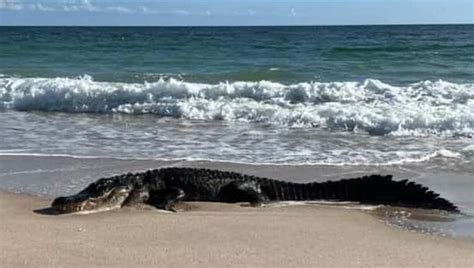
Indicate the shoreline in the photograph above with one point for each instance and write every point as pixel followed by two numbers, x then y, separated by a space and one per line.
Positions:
pixel 213 234
pixel 51 176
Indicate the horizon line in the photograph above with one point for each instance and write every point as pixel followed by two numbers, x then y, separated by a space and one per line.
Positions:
pixel 263 25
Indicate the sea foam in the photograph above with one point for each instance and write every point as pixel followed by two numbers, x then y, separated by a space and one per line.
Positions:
pixel 423 108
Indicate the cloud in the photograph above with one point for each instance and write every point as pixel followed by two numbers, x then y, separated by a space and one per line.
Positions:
pixel 144 10
pixel 73 5
pixel 64 6
pixel 11 5
pixel 248 12
pixel 41 7
pixel 17 5
pixel 293 12
pixel 85 6
pixel 120 9
pixel 150 11
pixel 181 12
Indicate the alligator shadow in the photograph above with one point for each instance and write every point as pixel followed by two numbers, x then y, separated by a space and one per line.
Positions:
pixel 47 211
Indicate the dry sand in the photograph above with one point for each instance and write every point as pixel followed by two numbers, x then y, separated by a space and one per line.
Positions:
pixel 215 235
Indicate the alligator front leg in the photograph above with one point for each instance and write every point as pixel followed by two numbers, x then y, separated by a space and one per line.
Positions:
pixel 165 199
pixel 242 191
pixel 137 196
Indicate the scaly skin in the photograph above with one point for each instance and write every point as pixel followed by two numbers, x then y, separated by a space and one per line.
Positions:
pixel 164 187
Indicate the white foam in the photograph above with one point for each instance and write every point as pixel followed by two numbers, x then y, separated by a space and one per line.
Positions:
pixel 469 148
pixel 421 109
pixel 448 153
pixel 333 158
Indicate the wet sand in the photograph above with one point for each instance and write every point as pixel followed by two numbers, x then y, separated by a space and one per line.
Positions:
pixel 215 235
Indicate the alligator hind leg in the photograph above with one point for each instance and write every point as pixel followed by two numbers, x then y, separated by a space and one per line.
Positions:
pixel 242 191
pixel 165 199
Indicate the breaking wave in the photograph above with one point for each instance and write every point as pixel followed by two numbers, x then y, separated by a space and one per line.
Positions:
pixel 423 108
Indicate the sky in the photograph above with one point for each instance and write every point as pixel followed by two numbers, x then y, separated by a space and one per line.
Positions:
pixel 233 12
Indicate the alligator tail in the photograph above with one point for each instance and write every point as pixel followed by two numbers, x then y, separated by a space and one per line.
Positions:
pixel 374 189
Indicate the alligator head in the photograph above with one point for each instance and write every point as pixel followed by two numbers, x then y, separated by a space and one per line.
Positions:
pixel 101 195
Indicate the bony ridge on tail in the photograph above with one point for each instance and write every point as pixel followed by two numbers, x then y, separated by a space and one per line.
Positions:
pixel 165 187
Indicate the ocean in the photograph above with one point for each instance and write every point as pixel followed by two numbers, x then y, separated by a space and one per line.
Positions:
pixel 359 95
pixel 353 97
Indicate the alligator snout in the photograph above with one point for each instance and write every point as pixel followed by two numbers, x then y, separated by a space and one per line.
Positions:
pixel 84 201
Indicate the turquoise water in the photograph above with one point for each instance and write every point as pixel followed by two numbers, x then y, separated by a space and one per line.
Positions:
pixel 396 55
pixel 357 95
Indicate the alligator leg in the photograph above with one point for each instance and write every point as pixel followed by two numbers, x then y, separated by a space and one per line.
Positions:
pixel 238 191
pixel 138 196
pixel 165 199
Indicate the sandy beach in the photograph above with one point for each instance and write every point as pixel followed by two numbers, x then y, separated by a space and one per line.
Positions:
pixel 215 235
pixel 210 234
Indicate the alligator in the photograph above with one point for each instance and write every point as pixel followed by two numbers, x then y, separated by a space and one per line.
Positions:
pixel 163 188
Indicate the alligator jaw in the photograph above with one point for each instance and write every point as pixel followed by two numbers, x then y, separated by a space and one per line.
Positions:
pixel 83 202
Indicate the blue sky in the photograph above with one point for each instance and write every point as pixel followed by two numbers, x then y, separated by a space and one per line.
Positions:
pixel 234 12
